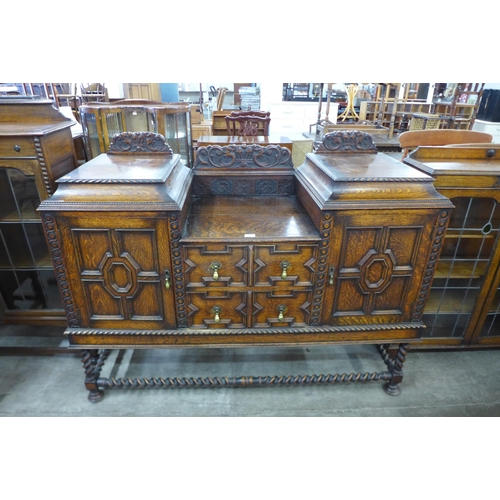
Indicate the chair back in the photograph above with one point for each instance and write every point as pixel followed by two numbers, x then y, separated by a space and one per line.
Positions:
pixel 442 137
pixel 262 114
pixel 247 125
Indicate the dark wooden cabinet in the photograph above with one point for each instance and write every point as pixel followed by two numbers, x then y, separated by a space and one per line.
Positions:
pixel 36 147
pixel 244 250
pixel 463 308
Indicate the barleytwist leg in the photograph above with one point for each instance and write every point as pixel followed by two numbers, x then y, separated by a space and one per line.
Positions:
pixel 92 364
pixel 395 367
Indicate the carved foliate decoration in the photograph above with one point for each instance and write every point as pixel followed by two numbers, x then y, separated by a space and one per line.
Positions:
pixel 346 141
pixel 139 142
pixel 243 156
pixel 243 187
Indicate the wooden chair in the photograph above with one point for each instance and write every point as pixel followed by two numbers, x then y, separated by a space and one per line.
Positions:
pixel 246 125
pixel 94 92
pixel 412 139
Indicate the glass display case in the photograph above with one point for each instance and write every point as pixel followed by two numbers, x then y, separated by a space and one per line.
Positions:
pixel 27 280
pixel 467 254
pixel 464 301
pixel 102 121
pixel 36 148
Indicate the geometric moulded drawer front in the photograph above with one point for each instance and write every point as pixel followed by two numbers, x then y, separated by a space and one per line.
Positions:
pixel 228 263
pixel 376 270
pixel 120 273
pixel 285 264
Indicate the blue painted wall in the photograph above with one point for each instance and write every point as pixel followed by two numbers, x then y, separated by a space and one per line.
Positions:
pixel 169 92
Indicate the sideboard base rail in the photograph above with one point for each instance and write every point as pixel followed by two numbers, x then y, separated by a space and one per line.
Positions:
pixel 93 361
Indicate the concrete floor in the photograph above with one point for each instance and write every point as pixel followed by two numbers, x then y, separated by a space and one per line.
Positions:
pixel 51 382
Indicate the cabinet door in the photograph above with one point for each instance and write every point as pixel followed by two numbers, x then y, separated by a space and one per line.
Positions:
pixel 27 281
pixel 377 266
pixel 463 279
pixel 116 271
pixel 144 91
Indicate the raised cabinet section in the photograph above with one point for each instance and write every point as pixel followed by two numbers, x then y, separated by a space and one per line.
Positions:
pixel 464 307
pixel 36 147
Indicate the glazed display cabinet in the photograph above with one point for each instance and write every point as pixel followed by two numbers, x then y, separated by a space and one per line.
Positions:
pixel 464 304
pixel 101 121
pixel 36 147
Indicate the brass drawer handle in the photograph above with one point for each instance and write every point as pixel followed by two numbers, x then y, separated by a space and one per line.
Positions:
pixel 215 266
pixel 216 310
pixel 331 275
pixel 167 279
pixel 281 310
pixel 285 265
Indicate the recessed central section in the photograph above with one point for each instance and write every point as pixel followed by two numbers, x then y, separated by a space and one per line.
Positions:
pixel 376 270
pixel 120 276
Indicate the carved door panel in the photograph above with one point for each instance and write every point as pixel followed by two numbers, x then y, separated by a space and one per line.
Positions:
pixel 215 265
pixel 375 265
pixel 281 308
pixel 118 268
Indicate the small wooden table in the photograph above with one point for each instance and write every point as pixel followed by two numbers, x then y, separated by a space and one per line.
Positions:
pixel 261 140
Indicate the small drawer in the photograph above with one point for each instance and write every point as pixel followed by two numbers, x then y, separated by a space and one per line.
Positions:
pixel 217 309
pixel 215 265
pixel 285 265
pixel 12 147
pixel 275 309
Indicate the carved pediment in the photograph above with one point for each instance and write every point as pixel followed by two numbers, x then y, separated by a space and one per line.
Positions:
pixel 346 141
pixel 139 142
pixel 243 156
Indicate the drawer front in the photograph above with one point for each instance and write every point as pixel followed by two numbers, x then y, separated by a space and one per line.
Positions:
pixel 281 309
pixel 215 265
pixel 217 309
pixel 13 147
pixel 285 265
pixel 243 286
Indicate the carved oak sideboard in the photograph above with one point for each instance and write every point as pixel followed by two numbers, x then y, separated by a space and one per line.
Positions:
pixel 243 249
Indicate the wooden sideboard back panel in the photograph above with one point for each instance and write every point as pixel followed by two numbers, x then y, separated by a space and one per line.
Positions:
pixel 243 170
